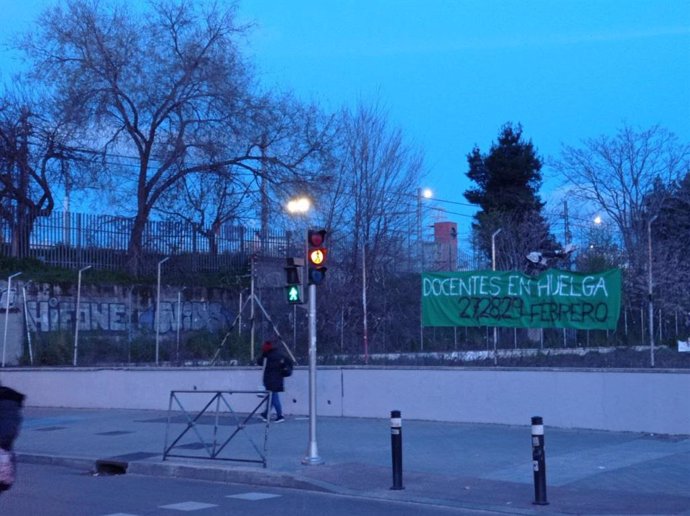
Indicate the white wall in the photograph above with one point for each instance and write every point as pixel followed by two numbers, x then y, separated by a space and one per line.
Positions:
pixel 641 401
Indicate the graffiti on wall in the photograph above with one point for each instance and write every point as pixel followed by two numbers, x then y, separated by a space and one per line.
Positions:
pixel 58 314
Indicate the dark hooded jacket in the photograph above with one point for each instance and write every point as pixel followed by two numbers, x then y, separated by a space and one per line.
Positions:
pixel 273 372
pixel 11 403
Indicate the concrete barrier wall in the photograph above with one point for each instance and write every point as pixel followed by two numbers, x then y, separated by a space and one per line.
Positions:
pixel 640 401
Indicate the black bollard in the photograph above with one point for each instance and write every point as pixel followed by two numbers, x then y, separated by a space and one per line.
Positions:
pixel 396 449
pixel 538 461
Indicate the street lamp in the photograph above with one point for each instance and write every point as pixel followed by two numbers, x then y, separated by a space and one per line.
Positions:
pixel 649 290
pixel 493 267
pixel 300 205
pixel 7 313
pixel 158 306
pixel 76 314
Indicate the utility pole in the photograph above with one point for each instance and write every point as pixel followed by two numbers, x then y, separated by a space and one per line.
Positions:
pixel 493 268
pixel 365 322
pixel 650 284
pixel 566 223
pixel 568 237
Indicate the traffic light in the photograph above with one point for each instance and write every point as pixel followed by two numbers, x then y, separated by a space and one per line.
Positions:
pixel 316 256
pixel 293 288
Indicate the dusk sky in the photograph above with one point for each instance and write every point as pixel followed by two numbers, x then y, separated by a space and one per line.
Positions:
pixel 451 73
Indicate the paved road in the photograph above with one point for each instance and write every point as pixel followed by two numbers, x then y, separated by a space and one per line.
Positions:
pixel 60 491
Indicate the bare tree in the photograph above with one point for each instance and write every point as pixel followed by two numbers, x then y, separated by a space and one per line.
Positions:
pixel 372 202
pixel 599 249
pixel 296 142
pixel 520 234
pixel 206 202
pixel 617 174
pixel 34 160
pixel 668 233
pixel 295 150
pixel 165 88
pixel 379 174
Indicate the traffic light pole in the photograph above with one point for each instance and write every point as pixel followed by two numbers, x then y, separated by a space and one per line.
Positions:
pixel 312 457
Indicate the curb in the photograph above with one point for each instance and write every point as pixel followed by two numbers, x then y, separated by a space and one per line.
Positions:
pixel 182 470
pixel 226 475
pixel 240 475
pixel 51 460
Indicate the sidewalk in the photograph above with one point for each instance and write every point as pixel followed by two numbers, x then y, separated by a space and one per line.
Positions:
pixel 486 467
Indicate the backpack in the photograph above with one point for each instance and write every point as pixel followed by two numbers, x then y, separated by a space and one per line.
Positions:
pixel 286 367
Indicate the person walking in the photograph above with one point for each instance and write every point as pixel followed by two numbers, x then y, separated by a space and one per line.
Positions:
pixel 276 367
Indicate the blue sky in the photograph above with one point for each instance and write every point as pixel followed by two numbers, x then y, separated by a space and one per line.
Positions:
pixel 451 73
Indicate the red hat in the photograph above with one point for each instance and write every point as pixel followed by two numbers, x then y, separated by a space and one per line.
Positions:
pixel 267 346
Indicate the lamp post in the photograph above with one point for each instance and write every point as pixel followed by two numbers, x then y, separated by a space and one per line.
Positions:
pixel 422 193
pixel 493 248
pixel 649 290
pixel 312 458
pixel 7 313
pixel 158 306
pixel 425 193
pixel 76 315
pixel 365 319
pixel 179 323
pixel 493 268
pixel 298 206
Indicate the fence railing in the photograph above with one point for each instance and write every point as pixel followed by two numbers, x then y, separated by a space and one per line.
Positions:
pixel 70 240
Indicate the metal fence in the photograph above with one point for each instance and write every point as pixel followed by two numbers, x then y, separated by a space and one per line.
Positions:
pixel 70 240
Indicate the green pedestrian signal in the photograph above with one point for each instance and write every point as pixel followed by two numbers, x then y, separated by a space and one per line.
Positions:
pixel 294 294
pixel 293 288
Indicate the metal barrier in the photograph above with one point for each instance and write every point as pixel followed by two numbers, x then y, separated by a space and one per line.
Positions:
pixel 223 419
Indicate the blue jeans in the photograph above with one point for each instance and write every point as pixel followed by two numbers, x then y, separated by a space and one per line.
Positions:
pixel 275 403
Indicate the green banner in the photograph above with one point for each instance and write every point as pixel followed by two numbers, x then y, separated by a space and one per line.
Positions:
pixel 553 299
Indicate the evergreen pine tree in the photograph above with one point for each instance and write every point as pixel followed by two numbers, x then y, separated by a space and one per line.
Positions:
pixel 507 182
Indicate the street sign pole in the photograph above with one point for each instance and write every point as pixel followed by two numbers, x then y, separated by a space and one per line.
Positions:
pixel 312 457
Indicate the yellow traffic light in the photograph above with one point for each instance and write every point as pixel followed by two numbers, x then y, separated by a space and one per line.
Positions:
pixel 316 255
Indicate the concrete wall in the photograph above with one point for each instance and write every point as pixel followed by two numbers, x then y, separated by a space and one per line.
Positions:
pixel 641 401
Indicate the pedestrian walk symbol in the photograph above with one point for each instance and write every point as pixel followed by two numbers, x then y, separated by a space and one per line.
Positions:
pixel 294 294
